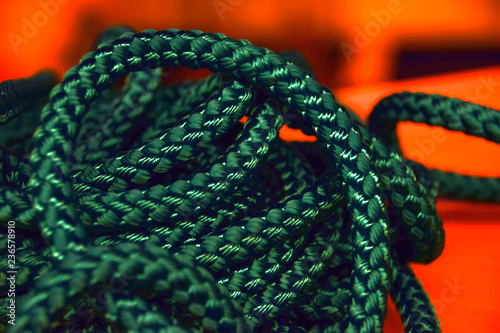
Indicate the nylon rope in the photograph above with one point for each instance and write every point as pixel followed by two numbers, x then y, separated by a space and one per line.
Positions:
pixel 152 208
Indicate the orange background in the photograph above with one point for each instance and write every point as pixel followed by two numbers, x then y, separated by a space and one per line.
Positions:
pixel 472 230
pixel 318 29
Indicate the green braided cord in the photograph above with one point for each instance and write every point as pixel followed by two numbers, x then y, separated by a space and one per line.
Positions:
pixel 14 171
pixel 181 196
pixel 191 133
pixel 137 94
pixel 20 95
pixel 205 223
pixel 91 123
pixel 19 100
pixel 190 96
pixel 452 114
pixel 465 187
pixel 141 161
pixel 146 269
pixel 412 302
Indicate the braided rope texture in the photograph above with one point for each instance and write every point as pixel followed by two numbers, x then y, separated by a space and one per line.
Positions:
pixel 152 207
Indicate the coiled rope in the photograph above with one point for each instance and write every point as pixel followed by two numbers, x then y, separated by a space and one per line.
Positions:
pixel 152 208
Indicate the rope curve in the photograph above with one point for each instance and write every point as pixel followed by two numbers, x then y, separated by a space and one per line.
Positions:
pixel 154 207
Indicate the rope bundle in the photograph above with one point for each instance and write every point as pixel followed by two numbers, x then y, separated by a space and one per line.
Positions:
pixel 152 208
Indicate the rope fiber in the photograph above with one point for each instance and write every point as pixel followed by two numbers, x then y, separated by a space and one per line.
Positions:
pixel 159 206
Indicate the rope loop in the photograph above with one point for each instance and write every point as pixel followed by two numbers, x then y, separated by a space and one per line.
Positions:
pixel 176 207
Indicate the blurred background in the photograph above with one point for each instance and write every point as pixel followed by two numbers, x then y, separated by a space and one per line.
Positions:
pixel 363 50
pixel 348 42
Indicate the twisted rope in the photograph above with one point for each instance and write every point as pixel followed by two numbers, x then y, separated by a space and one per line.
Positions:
pixel 452 114
pixel 152 208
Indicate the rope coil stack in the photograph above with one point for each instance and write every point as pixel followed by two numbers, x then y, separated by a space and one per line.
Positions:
pixel 152 208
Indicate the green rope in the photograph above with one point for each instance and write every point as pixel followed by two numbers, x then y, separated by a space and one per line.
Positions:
pixel 152 208
pixel 452 114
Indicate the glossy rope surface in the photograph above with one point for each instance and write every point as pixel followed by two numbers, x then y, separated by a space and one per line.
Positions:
pixel 206 223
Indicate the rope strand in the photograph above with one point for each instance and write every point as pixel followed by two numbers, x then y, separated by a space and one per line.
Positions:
pixel 209 224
